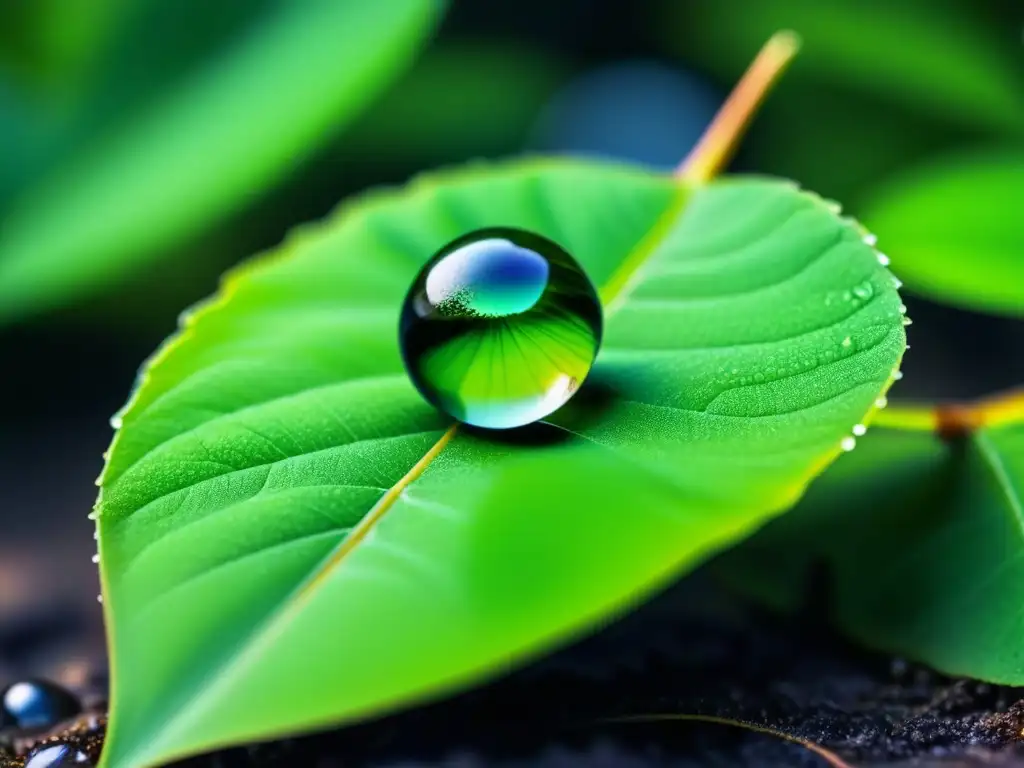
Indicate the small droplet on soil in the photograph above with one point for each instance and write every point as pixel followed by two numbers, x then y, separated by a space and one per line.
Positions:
pixel 57 756
pixel 36 704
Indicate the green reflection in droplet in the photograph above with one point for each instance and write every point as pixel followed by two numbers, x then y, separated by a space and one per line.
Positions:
pixel 500 328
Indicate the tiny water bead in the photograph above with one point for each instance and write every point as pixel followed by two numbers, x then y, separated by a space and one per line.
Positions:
pixel 500 328
pixel 36 704
pixel 57 756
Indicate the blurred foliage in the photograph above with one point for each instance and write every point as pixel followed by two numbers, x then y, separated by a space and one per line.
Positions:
pixel 97 188
pixel 956 224
pixel 878 85
pixel 112 109
pixel 460 100
pixel 933 54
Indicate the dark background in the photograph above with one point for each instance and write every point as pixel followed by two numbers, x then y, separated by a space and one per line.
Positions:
pixel 636 80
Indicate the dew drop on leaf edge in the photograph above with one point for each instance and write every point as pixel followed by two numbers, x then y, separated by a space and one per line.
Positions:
pixel 500 327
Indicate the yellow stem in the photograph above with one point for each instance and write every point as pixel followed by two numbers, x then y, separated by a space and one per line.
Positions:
pixel 950 419
pixel 721 138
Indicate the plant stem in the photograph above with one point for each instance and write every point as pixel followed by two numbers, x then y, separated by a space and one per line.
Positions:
pixel 828 756
pixel 721 138
pixel 953 419
pixel 912 417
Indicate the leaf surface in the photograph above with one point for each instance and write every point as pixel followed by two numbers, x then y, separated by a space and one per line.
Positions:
pixel 956 226
pixel 201 152
pixel 921 543
pixel 291 537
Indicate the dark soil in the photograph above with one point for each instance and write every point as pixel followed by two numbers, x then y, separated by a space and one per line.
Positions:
pixel 691 650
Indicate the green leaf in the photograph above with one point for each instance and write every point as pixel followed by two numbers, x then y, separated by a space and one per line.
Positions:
pixel 921 543
pixel 202 151
pixel 291 537
pixel 955 224
pixel 926 53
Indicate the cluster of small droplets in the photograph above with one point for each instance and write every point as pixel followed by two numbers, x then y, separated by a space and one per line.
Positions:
pixel 849 442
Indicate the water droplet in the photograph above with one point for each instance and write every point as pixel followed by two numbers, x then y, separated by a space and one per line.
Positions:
pixel 500 327
pixel 864 291
pixel 758 377
pixel 846 342
pixel 848 443
pixel 36 704
pixel 96 558
pixel 881 402
pixel 116 422
pixel 870 239
pixel 96 535
pixel 907 321
pixel 57 756
pixel 897 375
pixel 833 206
pixel 883 259
pixel 99 598
pixel 903 309
pixel 94 515
pixel 859 430
pixel 847 296
pixel 897 283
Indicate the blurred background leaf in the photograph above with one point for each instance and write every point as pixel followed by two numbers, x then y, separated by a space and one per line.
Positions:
pixel 915 542
pixel 932 54
pixel 204 148
pixel 956 224
pixel 878 85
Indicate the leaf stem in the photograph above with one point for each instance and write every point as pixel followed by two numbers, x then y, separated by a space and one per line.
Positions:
pixel 723 135
pixel 954 419
pixel 827 755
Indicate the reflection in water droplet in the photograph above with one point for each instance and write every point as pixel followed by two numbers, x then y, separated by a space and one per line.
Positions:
pixel 500 327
